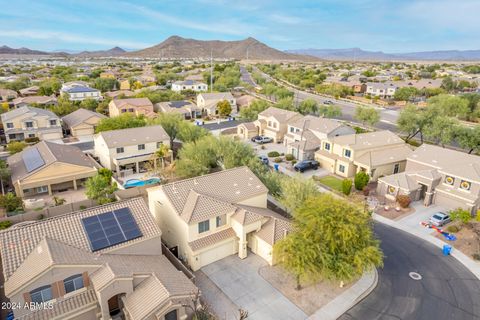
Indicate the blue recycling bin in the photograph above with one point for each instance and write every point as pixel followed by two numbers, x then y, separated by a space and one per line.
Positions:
pixel 447 250
pixel 275 166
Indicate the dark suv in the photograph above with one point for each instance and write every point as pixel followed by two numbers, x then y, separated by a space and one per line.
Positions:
pixel 305 165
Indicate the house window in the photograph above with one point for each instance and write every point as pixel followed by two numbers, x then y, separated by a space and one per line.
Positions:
pixel 341 168
pixel 347 153
pixel 269 123
pixel 172 315
pixel 203 226
pixel 29 124
pixel 130 110
pixel 275 125
pixel 292 129
pixel 396 168
pixel 120 150
pixel 221 220
pixel 42 189
pixel 327 146
pixel 42 294
pixel 53 122
pixel 31 135
pixel 124 110
pixel 141 147
pixel 9 125
pixel 73 283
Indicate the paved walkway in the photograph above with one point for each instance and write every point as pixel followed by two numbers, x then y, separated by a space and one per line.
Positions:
pixel 241 283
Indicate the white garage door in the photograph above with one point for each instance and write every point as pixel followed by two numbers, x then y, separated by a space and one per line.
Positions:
pixel 217 253
pixel 82 132
pixel 51 136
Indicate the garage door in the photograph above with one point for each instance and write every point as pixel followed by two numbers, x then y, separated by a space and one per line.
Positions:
pixel 51 136
pixel 82 132
pixel 217 253
pixel 448 202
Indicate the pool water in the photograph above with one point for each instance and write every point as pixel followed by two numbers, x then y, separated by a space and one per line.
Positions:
pixel 139 183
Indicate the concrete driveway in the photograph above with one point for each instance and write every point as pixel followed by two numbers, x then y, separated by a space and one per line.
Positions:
pixel 240 281
pixel 421 213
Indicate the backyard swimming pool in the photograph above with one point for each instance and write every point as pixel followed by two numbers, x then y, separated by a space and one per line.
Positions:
pixel 139 183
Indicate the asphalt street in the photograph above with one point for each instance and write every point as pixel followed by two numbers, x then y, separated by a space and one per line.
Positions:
pixel 447 290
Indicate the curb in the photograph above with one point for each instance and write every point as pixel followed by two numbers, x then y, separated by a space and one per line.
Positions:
pixel 344 302
pixel 471 265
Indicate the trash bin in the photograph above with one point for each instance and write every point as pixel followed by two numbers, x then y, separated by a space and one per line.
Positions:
pixel 447 249
pixel 275 166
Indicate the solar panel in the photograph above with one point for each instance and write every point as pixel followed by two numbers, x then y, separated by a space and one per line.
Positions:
pixel 32 159
pixel 111 228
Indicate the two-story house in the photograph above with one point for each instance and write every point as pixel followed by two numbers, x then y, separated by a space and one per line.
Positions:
pixel 7 95
pixel 186 108
pixel 439 176
pixel 273 122
pixel 79 91
pixel 207 218
pixel 29 122
pixel 30 91
pixel 129 149
pixel 82 122
pixel 48 167
pixel 377 153
pixel 382 90
pixel 104 263
pixel 208 102
pixel 135 106
pixel 305 135
pixel 192 85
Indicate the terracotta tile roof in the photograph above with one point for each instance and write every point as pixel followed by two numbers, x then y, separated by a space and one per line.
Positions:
pixel 27 109
pixel 146 298
pixel 80 115
pixel 35 99
pixel 313 123
pixel 134 136
pixel 18 242
pixel 230 186
pixel 134 102
pixel 71 304
pixel 385 156
pixel 281 115
pixel 274 230
pixel 368 140
pixel 199 207
pixel 212 239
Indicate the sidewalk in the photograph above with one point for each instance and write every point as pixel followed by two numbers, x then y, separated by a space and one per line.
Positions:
pixel 471 265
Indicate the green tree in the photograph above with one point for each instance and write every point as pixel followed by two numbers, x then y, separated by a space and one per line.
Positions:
pixel 271 179
pixel 16 147
pixel 64 106
pixel 406 93
pixel 295 191
pixel 10 202
pixel 4 174
pixel 49 87
pixel 331 239
pixel 367 115
pixel 89 104
pixel 123 121
pixel 285 103
pixel 224 108
pixel 442 130
pixel 171 123
pixel 450 106
pixel 251 112
pixel 100 188
pixel 460 214
pixel 468 138
pixel 361 180
pixel 188 132
pixel 331 111
pixel 105 84
pixel 308 106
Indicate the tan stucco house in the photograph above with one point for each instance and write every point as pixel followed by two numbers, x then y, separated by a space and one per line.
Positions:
pixel 187 109
pixel 28 122
pixel 47 167
pixel 377 153
pixel 40 101
pixel 439 176
pixel 273 122
pixel 305 135
pixel 129 149
pixel 103 263
pixel 82 122
pixel 137 106
pixel 213 216
pixel 208 102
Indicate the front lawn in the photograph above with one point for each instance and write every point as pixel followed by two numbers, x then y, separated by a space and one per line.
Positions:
pixel 331 182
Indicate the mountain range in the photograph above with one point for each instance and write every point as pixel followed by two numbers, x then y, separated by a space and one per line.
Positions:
pixel 176 47
pixel 363 55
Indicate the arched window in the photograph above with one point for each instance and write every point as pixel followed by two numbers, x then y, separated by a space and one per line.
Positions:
pixel 42 294
pixel 73 283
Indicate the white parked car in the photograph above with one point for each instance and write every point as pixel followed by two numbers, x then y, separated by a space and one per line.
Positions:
pixel 262 139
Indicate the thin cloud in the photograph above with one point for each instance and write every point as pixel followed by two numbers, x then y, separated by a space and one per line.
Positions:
pixel 285 19
pixel 70 38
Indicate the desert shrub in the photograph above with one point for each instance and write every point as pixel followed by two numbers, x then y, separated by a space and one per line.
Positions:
pixel 273 154
pixel 361 180
pixel 293 162
pixel 82 207
pixel 289 157
pixel 453 229
pixel 366 191
pixel 403 200
pixel 346 186
pixel 460 214
pixel 476 256
pixel 32 139
pixel 5 224
pixel 10 202
pixel 278 160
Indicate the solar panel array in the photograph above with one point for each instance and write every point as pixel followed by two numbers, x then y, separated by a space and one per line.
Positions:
pixel 32 159
pixel 111 228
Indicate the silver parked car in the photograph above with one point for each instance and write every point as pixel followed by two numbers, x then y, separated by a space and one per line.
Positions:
pixel 262 139
pixel 439 219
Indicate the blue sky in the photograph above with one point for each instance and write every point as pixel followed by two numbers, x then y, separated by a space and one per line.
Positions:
pixel 387 25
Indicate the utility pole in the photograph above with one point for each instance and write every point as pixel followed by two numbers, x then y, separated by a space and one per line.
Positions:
pixel 211 70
